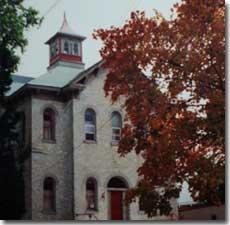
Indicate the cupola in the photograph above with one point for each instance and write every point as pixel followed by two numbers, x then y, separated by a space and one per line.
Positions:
pixel 65 46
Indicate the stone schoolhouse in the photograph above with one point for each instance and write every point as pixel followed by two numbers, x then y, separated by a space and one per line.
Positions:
pixel 75 172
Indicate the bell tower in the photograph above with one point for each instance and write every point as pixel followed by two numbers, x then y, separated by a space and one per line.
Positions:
pixel 65 47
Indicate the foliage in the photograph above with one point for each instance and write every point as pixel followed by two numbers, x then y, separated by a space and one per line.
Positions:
pixel 176 115
pixel 15 19
pixel 11 169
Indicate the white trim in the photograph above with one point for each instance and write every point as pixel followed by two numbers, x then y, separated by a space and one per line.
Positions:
pixel 114 135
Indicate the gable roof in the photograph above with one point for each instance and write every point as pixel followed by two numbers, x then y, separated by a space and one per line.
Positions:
pixel 18 81
pixel 85 73
pixel 57 78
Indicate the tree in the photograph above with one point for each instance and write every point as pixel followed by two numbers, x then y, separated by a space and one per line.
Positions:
pixel 15 19
pixel 176 113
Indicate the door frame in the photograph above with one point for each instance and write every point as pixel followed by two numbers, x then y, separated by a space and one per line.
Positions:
pixel 125 209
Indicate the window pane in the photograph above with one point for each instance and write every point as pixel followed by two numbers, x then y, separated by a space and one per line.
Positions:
pixel 90 199
pixel 116 131
pixel 49 124
pixel 52 51
pixel 76 49
pixel 47 133
pixel 47 116
pixel 90 124
pixel 116 134
pixel 90 185
pixel 66 47
pixel 116 138
pixel 89 115
pixel 89 137
pixel 91 193
pixel 70 48
pixel 89 128
pixel 116 120
pixel 49 194
pixel 56 47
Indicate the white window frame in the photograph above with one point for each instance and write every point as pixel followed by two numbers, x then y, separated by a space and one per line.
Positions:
pixel 63 46
pixel 78 53
pixel 116 137
pixel 71 50
pixel 90 125
pixel 114 134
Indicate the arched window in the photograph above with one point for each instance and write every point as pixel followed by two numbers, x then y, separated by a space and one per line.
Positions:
pixel 91 193
pixel 49 194
pixel 49 124
pixel 90 125
pixel 116 126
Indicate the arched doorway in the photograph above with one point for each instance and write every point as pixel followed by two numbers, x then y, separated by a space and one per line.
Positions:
pixel 116 189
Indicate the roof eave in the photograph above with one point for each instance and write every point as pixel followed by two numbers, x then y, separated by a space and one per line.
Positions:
pixel 79 37
pixel 85 73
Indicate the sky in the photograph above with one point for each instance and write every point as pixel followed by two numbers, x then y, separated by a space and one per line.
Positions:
pixel 84 16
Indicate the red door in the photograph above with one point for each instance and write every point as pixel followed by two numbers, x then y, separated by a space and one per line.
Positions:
pixel 116 205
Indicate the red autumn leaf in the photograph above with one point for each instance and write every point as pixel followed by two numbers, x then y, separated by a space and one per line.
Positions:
pixel 180 139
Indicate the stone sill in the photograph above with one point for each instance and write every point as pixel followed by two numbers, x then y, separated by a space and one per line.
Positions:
pixel 38 152
pixel 90 142
pixel 92 210
pixel 141 212
pixel 49 141
pixel 114 143
pixel 49 212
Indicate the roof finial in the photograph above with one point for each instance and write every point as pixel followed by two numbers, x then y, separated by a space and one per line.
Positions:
pixel 65 25
pixel 65 28
pixel 64 19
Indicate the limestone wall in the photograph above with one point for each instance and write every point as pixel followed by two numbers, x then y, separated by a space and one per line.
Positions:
pixel 52 159
pixel 100 159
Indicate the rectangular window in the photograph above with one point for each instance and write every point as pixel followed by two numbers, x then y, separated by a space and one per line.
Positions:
pixel 71 47
pixel 54 49
pixel 76 50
